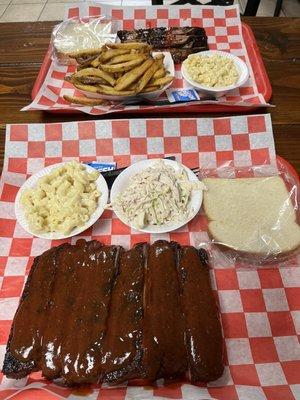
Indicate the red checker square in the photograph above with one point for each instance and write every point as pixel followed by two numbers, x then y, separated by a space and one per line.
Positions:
pixel 86 130
pixel 119 228
pixel 222 126
pixel 172 145
pixel 70 148
pixel 270 278
pixel 247 90
pixel 105 239
pixel 188 127
pixel 291 371
pixel 138 146
pixel 220 21
pixel 53 132
pixel 198 224
pixel 12 286
pixel 94 11
pixel 185 13
pixel 211 31
pixel 222 39
pixel 253 300
pixel 19 133
pixel 44 101
pixel 235 45
pixel 293 298
pixel 240 142
pixel 7 227
pixel 151 23
pixel 256 124
pixel 3 261
pixel 58 75
pixel 224 392
pixel 234 325
pixel 36 149
pixel 29 264
pixel 208 14
pixel 191 160
pixel 197 22
pixel 122 160
pixel 169 391
pixel 230 13
pixel 232 30
pixel 120 129
pixel 115 394
pixel 52 160
pixel 279 392
pixel 244 375
pixel 140 14
pixel 263 350
pixel 162 14
pixel 154 127
pixel 30 394
pixel 223 157
pixel 20 247
pixel 226 279
pixel 9 193
pixel 139 238
pixel 281 323
pixel 181 237
pixel 174 22
pixel 206 143
pixel 73 12
pixel 4 331
pixel 128 24
pixel 104 147
pixel 17 165
pixel 117 14
pixel 260 156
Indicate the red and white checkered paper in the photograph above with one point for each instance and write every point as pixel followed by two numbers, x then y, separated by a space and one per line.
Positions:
pixel 223 29
pixel 260 309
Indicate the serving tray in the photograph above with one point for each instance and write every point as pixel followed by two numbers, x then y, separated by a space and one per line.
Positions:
pixel 259 71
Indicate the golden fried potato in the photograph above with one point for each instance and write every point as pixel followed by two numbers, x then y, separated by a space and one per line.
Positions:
pixel 162 81
pixel 96 72
pixel 150 89
pixel 113 92
pixel 123 58
pixel 123 67
pixel 84 100
pixel 160 73
pixel 86 88
pixel 128 45
pixel 107 55
pixel 133 75
pixel 145 78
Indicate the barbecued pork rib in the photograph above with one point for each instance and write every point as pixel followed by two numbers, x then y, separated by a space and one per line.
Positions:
pixel 24 345
pixel 163 325
pixel 204 340
pixel 72 342
pixel 122 348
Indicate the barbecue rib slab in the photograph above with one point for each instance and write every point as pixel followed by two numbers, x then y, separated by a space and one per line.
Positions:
pixel 92 313
pixel 204 340
pixel 180 42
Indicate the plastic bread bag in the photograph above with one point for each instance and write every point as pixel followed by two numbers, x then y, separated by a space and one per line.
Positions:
pixel 252 215
pixel 81 38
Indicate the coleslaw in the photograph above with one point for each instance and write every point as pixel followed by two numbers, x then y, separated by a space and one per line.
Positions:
pixel 158 195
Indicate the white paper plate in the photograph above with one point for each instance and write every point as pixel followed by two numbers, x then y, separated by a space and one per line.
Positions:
pixel 169 66
pixel 121 183
pixel 32 182
pixel 220 91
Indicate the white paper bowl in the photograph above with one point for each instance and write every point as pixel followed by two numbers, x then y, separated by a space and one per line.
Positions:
pixel 220 91
pixel 32 182
pixel 121 183
pixel 169 66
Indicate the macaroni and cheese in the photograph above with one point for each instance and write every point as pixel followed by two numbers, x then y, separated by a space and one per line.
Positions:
pixel 213 71
pixel 62 200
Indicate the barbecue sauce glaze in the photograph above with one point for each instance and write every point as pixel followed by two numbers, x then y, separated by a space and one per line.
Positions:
pixel 91 313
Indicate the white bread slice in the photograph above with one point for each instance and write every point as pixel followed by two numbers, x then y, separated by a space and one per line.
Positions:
pixel 252 215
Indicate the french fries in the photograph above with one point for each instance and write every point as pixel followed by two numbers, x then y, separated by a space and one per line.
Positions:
pixel 119 69
pixel 83 100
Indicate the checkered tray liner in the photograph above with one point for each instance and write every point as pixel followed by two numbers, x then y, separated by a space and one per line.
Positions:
pixel 260 309
pixel 223 28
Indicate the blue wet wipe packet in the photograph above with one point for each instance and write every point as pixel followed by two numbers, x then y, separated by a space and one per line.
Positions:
pixel 102 166
pixel 179 95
